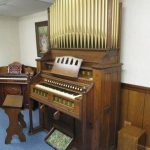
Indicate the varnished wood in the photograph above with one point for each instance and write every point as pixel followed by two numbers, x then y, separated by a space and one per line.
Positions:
pixel 16 86
pixel 132 87
pixel 135 108
pixel 131 138
pixel 124 106
pixel 146 118
pixel 12 106
pixel 93 120
pixel 106 79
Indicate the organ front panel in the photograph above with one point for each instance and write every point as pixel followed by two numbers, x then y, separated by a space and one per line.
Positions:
pixel 79 77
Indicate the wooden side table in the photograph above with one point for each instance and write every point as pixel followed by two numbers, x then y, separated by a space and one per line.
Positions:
pixel 131 138
pixel 12 106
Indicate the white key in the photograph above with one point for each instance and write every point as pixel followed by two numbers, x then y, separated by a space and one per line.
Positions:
pixel 4 78
pixel 57 92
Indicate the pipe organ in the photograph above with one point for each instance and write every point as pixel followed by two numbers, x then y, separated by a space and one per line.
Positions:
pixel 84 24
pixel 79 77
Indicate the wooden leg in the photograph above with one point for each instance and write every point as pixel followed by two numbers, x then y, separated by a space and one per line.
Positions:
pixel 14 126
pixel 8 138
pixel 33 130
pixel 21 120
pixel 30 116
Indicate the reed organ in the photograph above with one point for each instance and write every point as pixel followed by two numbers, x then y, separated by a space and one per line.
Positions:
pixel 88 30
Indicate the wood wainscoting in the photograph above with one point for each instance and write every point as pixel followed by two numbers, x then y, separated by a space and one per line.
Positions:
pixel 135 108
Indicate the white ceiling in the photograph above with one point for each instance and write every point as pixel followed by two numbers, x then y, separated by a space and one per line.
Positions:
pixel 20 8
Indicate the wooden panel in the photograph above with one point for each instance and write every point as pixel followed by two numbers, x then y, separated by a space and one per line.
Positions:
pixel 92 56
pixel 124 106
pixel 106 125
pixel 136 108
pixel 106 117
pixel 135 105
pixel 3 69
pixel 146 120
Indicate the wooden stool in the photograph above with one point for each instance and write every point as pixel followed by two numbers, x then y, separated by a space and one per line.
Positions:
pixel 12 106
pixel 131 138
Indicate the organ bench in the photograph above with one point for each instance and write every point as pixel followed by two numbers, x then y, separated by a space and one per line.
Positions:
pixel 12 106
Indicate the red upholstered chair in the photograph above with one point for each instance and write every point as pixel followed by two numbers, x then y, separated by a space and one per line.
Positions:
pixel 15 68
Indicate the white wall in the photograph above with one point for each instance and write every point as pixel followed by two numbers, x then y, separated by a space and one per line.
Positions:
pixel 136 42
pixel 27 37
pixel 135 50
pixel 9 40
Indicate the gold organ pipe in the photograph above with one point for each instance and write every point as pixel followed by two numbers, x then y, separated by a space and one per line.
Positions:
pixel 103 22
pixel 99 23
pixel 77 29
pixel 116 16
pixel 67 24
pixel 54 9
pixel 52 16
pixel 50 24
pixel 56 24
pixel 96 24
pixel 106 15
pixel 83 23
pixel 117 23
pixel 73 23
pixel 114 37
pixel 70 16
pixel 58 29
pixel 92 24
pixel 112 33
pixel 50 28
pixel 63 22
pixel 55 21
pixel 88 22
pixel 60 22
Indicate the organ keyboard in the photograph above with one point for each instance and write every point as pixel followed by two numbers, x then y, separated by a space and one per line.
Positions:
pixel 15 83
pixel 13 78
pixel 61 94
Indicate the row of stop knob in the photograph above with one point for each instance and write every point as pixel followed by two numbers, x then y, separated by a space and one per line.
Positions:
pixel 74 87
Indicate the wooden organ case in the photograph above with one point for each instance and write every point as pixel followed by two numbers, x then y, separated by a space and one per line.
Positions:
pixel 14 79
pixel 88 30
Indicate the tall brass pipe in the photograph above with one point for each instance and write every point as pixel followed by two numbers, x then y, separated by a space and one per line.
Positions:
pixel 96 23
pixel 83 23
pixel 99 23
pixel 106 14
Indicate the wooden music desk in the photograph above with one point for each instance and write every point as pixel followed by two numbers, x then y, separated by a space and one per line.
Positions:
pixel 12 106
